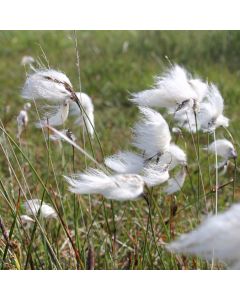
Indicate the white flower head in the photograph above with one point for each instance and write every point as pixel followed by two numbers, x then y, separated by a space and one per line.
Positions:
pixel 26 219
pixel 46 211
pixel 48 84
pixel 154 174
pixel 174 157
pixel 125 162
pixel 186 120
pixel 27 106
pixel 174 90
pixel 27 60
pixel 201 89
pixel 223 147
pixel 116 187
pixel 54 115
pixel 84 118
pixel 151 133
pixel 211 111
pixel 176 130
pixel 176 183
pixel 217 236
pixel 22 121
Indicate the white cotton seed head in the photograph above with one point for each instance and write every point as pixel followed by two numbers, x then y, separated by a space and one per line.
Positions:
pixel 170 91
pixel 91 182
pixel 155 174
pixel 54 115
pixel 216 99
pixel 206 117
pixel 115 187
pixel 47 84
pixel 210 115
pixel 85 101
pixel 32 206
pixel 200 87
pixel 218 234
pixel 85 118
pixel 27 106
pixel 223 147
pixel 22 118
pixel 125 162
pixel 177 156
pixel 26 219
pixel 22 121
pixel 130 187
pixel 176 130
pixel 174 157
pixel 87 122
pixel 150 98
pixel 176 183
pixel 151 134
pixel 46 211
pixel 221 121
pixel 27 60
pixel 186 120
pixel 175 90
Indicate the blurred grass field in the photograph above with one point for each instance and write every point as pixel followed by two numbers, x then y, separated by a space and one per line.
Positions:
pixel 113 64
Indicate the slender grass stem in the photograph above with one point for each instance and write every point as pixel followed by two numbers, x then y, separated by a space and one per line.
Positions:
pixel 47 192
pixel 216 173
pixel 145 241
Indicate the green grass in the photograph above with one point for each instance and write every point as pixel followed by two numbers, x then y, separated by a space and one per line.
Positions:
pixel 121 235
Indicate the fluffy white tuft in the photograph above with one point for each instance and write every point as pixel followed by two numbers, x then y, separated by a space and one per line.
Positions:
pixel 175 184
pixel 211 111
pixel 27 60
pixel 151 133
pixel 26 219
pixel 201 89
pixel 224 148
pixel 221 121
pixel 155 174
pixel 116 187
pixel 125 162
pixel 151 98
pixel 86 117
pixel 22 121
pixel 27 106
pixel 47 84
pixel 174 157
pixel 186 120
pixel 54 115
pixel 46 211
pixel 218 234
pixel 173 90
pixel 176 130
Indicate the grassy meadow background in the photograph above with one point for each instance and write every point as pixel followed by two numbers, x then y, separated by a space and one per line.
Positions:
pixel 113 64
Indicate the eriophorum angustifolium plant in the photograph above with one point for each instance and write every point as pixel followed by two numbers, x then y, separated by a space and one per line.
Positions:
pixel 144 181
